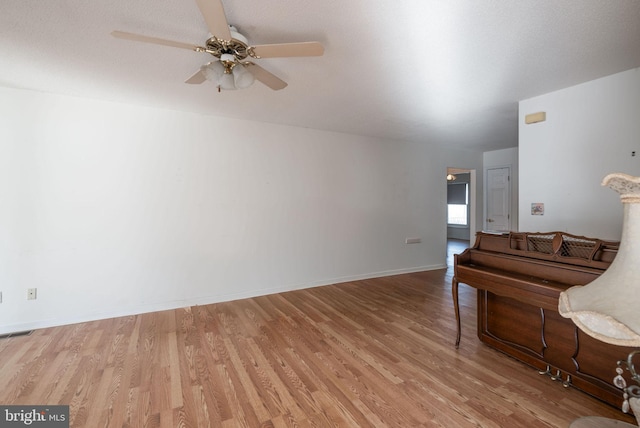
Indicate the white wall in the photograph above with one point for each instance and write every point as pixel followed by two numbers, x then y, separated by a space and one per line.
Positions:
pixel 110 209
pixel 590 131
pixel 500 159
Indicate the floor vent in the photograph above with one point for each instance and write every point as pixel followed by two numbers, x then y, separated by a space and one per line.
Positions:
pixel 16 334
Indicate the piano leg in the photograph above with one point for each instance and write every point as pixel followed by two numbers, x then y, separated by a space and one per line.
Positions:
pixel 456 308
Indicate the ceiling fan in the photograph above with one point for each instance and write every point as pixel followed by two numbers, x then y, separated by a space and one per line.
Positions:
pixel 233 66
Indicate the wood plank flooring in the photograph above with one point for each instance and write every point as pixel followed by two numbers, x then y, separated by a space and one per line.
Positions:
pixel 370 353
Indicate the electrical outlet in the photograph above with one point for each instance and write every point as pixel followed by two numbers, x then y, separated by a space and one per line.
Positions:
pixel 32 293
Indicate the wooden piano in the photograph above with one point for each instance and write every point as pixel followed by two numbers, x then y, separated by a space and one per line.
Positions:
pixel 519 277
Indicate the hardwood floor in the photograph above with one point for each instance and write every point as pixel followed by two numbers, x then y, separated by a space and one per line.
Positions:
pixel 368 353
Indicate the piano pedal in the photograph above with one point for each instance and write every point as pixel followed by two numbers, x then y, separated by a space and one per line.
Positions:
pixel 556 377
pixel 545 372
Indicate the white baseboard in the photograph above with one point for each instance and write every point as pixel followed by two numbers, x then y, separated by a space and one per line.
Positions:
pixel 203 300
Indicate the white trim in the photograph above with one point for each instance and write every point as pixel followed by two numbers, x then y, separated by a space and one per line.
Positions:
pixel 473 212
pixel 203 300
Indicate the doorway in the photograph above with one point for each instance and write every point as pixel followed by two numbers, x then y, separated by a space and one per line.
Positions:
pixel 461 203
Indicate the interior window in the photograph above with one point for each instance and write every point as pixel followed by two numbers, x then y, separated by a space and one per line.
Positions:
pixel 458 204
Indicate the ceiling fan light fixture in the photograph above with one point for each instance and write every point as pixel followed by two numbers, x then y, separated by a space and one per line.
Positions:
pixel 213 70
pixel 227 73
pixel 226 82
pixel 242 77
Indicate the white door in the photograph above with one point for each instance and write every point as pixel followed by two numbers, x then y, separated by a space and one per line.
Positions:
pixel 498 205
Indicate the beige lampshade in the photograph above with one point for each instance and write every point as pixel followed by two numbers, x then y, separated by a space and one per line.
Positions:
pixel 608 308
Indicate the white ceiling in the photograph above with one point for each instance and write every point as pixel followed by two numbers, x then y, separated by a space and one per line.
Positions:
pixel 442 71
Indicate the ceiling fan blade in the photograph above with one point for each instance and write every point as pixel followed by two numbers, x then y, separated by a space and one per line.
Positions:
pixel 197 78
pixel 289 49
pixel 154 40
pixel 213 13
pixel 267 78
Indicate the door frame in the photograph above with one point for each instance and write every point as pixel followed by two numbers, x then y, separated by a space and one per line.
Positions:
pixel 473 200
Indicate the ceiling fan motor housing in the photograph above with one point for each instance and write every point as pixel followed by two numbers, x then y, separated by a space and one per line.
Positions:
pixel 238 46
